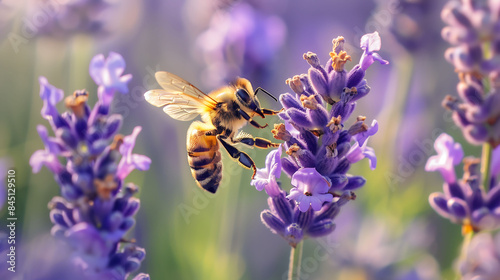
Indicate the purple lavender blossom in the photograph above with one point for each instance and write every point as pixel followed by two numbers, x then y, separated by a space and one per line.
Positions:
pixel 265 178
pixel 473 30
pixel 449 155
pixel 130 161
pixel 483 258
pixel 96 209
pixel 463 201
pixel 320 149
pixel 413 23
pixel 370 43
pixel 240 41
pixel 310 189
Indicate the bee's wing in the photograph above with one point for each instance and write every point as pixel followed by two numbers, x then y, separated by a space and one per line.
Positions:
pixel 182 100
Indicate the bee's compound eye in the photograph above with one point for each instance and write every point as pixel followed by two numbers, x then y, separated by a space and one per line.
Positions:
pixel 243 95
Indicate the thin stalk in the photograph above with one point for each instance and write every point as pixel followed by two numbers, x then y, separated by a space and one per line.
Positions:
pixel 295 261
pixel 486 166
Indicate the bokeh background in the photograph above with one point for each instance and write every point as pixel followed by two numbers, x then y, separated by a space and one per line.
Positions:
pixel 388 232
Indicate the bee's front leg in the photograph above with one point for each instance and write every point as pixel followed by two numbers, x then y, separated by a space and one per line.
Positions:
pixel 250 120
pixel 243 158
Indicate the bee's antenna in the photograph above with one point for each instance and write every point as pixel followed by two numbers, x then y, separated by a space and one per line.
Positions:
pixel 266 92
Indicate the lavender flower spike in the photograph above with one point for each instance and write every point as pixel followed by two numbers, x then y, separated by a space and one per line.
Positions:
pixel 96 208
pixel 319 147
pixel 449 155
pixel 463 201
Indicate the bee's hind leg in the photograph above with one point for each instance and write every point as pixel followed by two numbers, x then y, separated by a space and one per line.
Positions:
pixel 243 158
pixel 270 112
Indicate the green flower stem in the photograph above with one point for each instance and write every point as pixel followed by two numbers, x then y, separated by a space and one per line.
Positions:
pixel 465 249
pixel 295 259
pixel 486 165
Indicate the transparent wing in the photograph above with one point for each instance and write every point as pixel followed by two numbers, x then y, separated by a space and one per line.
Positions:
pixel 180 99
pixel 177 85
pixel 177 106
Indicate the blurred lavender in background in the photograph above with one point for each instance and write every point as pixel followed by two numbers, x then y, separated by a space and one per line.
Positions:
pixel 482 259
pixel 62 19
pixel 240 42
pixel 370 247
pixel 464 201
pixel 473 30
pixel 96 209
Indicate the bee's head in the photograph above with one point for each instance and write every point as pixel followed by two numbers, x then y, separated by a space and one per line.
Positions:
pixel 249 101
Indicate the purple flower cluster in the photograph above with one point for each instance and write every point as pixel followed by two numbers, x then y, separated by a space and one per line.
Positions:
pixel 319 149
pixel 95 209
pixel 464 201
pixel 474 31
pixel 240 41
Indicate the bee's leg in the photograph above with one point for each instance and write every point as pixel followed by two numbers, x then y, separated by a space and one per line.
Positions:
pixel 250 120
pixel 270 112
pixel 243 158
pixel 257 142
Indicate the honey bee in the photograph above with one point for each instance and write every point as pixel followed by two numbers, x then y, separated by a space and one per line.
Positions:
pixel 223 112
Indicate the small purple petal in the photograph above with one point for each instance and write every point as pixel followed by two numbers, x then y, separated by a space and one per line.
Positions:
pixel 454 190
pixel 357 153
pixel 371 43
pixel 272 222
pixel 265 178
pixel 294 234
pixel 50 96
pixel 458 208
pixel 362 137
pixel 289 100
pixel 321 228
pixel 86 239
pixel 299 118
pixel 449 155
pixel 310 189
pixel 493 198
pixel 354 183
pixel 282 207
pixel 440 204
pixel 107 72
pixel 131 161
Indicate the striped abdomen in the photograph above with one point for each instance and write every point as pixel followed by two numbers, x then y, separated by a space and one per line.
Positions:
pixel 204 156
